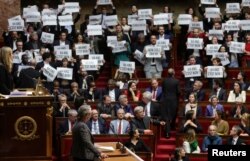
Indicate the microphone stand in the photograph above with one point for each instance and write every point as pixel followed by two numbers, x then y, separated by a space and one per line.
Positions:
pixel 119 145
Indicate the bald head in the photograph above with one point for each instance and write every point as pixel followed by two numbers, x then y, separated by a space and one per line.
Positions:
pixel 171 72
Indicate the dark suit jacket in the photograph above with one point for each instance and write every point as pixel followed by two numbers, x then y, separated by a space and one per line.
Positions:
pixel 97 94
pixel 71 97
pixel 101 123
pixel 63 127
pixel 102 109
pixel 200 95
pixel 222 94
pixel 127 109
pixel 27 78
pixel 57 43
pixel 117 93
pixel 135 123
pixel 158 93
pixel 239 141
pixel 29 46
pixel 170 98
pixel 6 81
pixel 83 143
pixel 154 108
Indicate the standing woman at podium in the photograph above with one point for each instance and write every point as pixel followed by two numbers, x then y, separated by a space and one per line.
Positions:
pixel 6 80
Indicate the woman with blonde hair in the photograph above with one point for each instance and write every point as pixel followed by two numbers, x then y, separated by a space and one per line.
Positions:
pixel 190 143
pixel 245 124
pixel 6 61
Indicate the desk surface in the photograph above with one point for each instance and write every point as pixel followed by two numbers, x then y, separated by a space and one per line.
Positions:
pixel 117 155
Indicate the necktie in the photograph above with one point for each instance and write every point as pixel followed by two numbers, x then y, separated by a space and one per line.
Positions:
pixel 95 128
pixel 154 94
pixel 146 111
pixel 72 125
pixel 120 127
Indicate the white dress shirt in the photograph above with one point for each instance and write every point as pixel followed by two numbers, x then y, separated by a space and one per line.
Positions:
pixel 95 127
pixel 112 95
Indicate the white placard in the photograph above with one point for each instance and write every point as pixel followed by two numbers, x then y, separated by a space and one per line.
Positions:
pixel 95 19
pixel 17 57
pixel 195 25
pixel 212 12
pixel 49 20
pixel 61 47
pixel 212 48
pixel 49 12
pixel 132 18
pixel 18 17
pixel 161 19
pixel 153 52
pixel 139 56
pixel 98 57
pixel 66 20
pixel 119 47
pixel 64 73
pixel 184 19
pixel 94 30
pixel 47 38
pixel 232 25
pixel 245 25
pixel 127 67
pixel 164 44
pixel 33 17
pixel 139 25
pixel 49 72
pixel 214 71
pixel 236 47
pixel 111 20
pixel 60 54
pixel 170 17
pixel 245 3
pixel 82 49
pixel 29 9
pixel 72 7
pixel 103 2
pixel 15 24
pixel 216 33
pixel 208 2
pixel 145 14
pixel 111 41
pixel 223 57
pixel 89 65
pixel 233 8
pixel 194 43
pixel 38 56
pixel 192 71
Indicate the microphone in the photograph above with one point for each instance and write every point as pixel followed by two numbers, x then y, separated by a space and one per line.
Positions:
pixel 119 144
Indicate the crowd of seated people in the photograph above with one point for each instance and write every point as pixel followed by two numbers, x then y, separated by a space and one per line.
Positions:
pixel 121 106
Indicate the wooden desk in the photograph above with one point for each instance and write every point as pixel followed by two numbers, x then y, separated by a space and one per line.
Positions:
pixel 26 128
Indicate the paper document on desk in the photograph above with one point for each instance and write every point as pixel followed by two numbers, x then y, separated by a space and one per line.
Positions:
pixel 105 148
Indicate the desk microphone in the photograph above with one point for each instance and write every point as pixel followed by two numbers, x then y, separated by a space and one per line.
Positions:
pixel 119 144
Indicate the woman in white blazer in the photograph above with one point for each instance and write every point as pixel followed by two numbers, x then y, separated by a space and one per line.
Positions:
pixel 236 92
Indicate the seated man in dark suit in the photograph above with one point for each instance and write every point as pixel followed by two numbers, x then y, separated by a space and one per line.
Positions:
pixel 197 89
pixel 239 108
pixel 155 89
pixel 112 91
pixel 96 124
pixel 142 122
pixel 74 93
pixel 65 128
pixel 234 139
pixel 92 94
pixel 151 109
pixel 61 109
pixel 105 108
pixel 219 91
pixel 123 103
